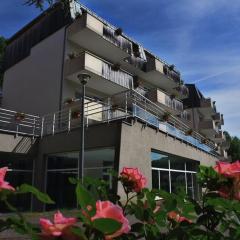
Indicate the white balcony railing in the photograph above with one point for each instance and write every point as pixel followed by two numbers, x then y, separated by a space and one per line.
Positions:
pixel 119 106
pixel 19 123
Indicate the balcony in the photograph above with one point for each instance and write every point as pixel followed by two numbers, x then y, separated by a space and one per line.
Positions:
pixel 218 118
pixel 208 128
pixel 225 144
pixel 105 77
pixel 90 33
pixel 219 137
pixel 207 107
pixel 160 98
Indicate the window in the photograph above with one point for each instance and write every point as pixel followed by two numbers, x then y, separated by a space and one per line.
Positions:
pixel 61 166
pixel 172 173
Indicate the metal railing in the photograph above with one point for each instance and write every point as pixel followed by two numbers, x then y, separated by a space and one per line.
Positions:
pixel 173 103
pixel 119 106
pixel 19 123
pixel 68 118
pixel 118 76
pixel 118 40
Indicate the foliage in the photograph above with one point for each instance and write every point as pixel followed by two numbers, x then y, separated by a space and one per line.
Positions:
pixel 234 149
pixel 154 214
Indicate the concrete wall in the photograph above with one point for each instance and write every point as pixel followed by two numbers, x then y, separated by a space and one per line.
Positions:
pixel 137 141
pixel 34 84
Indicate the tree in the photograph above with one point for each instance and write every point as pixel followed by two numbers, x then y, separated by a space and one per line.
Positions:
pixel 2 51
pixel 234 150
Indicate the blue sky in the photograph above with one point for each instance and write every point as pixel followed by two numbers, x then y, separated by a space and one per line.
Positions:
pixel 200 37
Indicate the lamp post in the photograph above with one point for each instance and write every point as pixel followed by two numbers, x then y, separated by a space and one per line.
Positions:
pixel 83 78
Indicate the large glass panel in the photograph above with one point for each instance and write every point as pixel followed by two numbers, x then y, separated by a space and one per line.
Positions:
pixel 60 189
pixel 155 179
pixel 159 160
pixel 177 163
pixel 190 186
pixel 61 166
pixel 178 182
pixel 164 181
pixel 182 172
pixel 63 160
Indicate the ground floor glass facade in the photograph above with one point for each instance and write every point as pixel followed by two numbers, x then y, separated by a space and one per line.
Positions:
pixel 61 166
pixel 173 173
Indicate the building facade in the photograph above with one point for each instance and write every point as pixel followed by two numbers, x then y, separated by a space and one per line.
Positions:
pixel 138 111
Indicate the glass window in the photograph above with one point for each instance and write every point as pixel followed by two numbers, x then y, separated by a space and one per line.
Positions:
pixel 178 182
pixel 155 179
pixel 174 173
pixel 61 166
pixel 159 160
pixel 164 181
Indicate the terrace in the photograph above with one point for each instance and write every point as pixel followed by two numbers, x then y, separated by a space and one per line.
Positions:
pixel 128 104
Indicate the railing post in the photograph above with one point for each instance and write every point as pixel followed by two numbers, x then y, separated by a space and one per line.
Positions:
pixel 53 126
pixel 126 103
pixel 42 127
pixel 108 109
pixel 69 119
pixel 34 123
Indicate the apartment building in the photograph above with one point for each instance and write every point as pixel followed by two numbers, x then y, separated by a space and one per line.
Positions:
pixel 138 111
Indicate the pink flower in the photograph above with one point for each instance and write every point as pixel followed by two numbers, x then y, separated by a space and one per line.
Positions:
pixel 106 209
pixel 176 217
pixel 60 223
pixel 133 179
pixel 4 184
pixel 228 169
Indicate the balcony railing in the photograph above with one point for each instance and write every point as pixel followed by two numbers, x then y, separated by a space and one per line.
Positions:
pixel 110 34
pixel 86 61
pixel 171 73
pixel 173 103
pixel 19 123
pixel 159 97
pixel 118 76
pixel 119 106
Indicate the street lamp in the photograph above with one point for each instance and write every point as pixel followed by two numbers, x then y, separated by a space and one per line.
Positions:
pixel 83 78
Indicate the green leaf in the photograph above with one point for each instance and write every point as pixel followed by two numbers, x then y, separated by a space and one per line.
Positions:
pixel 78 231
pixel 85 199
pixel 25 188
pixel 107 225
pixel 72 180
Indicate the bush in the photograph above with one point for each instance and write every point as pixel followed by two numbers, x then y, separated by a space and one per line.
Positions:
pixel 154 214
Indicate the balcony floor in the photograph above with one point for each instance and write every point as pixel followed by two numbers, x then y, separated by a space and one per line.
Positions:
pixel 92 41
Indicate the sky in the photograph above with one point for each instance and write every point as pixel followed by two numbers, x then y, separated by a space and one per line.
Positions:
pixel 200 37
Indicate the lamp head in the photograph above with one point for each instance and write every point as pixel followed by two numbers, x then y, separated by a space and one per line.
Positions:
pixel 83 78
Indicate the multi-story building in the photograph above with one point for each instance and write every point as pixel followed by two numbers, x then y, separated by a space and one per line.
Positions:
pixel 138 111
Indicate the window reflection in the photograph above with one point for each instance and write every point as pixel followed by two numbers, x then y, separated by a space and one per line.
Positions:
pixel 173 173
pixel 62 166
